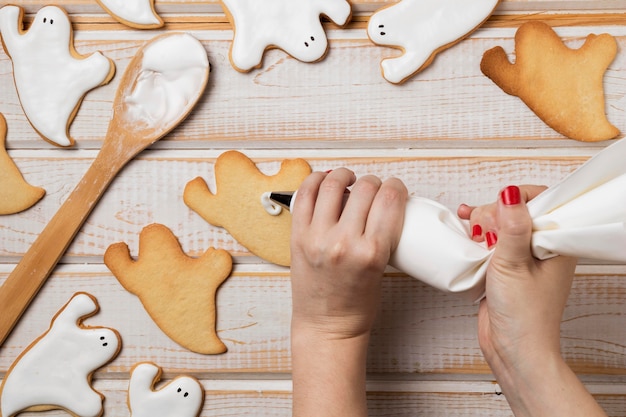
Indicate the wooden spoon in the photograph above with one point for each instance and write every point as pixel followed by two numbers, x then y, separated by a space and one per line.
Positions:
pixel 160 87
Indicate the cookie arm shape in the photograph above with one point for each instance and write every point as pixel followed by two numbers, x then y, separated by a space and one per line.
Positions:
pixel 495 65
pixel 337 11
pixel 11 18
pixel 15 193
pixel 117 258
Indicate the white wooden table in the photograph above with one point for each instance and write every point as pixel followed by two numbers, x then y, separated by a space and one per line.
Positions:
pixel 449 133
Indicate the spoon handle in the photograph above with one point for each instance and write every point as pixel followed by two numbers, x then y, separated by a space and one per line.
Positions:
pixel 38 262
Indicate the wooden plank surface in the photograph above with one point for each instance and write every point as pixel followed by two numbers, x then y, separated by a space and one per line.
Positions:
pixel 449 133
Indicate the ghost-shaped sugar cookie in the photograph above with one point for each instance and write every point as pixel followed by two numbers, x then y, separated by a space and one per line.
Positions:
pixel 237 203
pixel 181 397
pixel 422 29
pixel 176 290
pixel 290 25
pixel 138 14
pixel 562 86
pixel 50 76
pixel 55 371
pixel 15 193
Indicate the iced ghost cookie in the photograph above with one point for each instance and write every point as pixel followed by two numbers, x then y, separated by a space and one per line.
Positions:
pixel 55 371
pixel 50 76
pixel 139 14
pixel 422 29
pixel 237 205
pixel 176 290
pixel 292 26
pixel 562 86
pixel 15 193
pixel 181 397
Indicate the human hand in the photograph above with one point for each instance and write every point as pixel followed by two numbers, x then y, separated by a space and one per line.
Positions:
pixel 339 253
pixel 519 319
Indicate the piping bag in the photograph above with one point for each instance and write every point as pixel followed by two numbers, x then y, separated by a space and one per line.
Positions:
pixel 583 216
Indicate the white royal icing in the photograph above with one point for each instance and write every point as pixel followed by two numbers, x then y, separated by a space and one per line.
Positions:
pixel 291 25
pixel 269 206
pixel 54 371
pixel 173 72
pixel 422 27
pixel 50 81
pixel 139 12
pixel 181 397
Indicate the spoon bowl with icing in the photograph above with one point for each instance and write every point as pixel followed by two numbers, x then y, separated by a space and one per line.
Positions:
pixel 159 89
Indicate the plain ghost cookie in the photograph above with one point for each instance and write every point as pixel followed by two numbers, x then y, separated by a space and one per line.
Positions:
pixel 176 290
pixel 562 86
pixel 183 396
pixel 50 76
pixel 55 371
pixel 15 193
pixel 236 204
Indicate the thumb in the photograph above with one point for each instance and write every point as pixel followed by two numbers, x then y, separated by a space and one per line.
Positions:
pixel 514 229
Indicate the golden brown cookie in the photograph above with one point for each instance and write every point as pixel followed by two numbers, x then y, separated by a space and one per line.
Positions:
pixel 236 204
pixel 15 194
pixel 177 291
pixel 563 86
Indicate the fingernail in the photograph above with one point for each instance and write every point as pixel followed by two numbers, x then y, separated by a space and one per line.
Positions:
pixel 329 171
pixel 491 239
pixel 477 230
pixel 511 195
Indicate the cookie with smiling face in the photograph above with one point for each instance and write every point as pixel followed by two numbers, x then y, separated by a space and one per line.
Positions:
pixel 292 26
pixel 422 29
pixel 55 371
pixel 182 397
pixel 564 87
pixel 50 76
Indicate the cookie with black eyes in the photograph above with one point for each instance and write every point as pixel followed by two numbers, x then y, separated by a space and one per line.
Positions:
pixel 292 26
pixel 183 396
pixel 64 356
pixel 51 77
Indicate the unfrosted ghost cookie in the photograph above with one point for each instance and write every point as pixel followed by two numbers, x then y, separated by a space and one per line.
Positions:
pixel 15 193
pixel 422 29
pixel 562 86
pixel 50 76
pixel 237 203
pixel 176 290
pixel 55 371
pixel 292 26
pixel 181 397
pixel 139 14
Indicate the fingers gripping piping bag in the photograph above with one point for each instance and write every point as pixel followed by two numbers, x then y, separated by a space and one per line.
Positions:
pixel 583 216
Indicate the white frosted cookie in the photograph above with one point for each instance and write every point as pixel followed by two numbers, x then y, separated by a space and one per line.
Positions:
pixel 54 372
pixel 50 76
pixel 15 193
pixel 292 26
pixel 423 28
pixel 181 397
pixel 139 14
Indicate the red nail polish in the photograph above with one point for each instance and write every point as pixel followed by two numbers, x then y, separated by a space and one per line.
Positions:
pixel 329 171
pixel 477 230
pixel 511 195
pixel 491 239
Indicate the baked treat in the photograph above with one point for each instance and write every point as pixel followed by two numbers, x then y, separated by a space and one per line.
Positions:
pixel 15 193
pixel 292 26
pixel 55 371
pixel 182 397
pixel 237 203
pixel 176 290
pixel 562 86
pixel 138 14
pixel 50 76
pixel 422 29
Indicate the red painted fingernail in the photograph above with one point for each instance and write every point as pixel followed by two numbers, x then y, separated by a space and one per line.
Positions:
pixel 491 239
pixel 511 195
pixel 329 171
pixel 477 230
